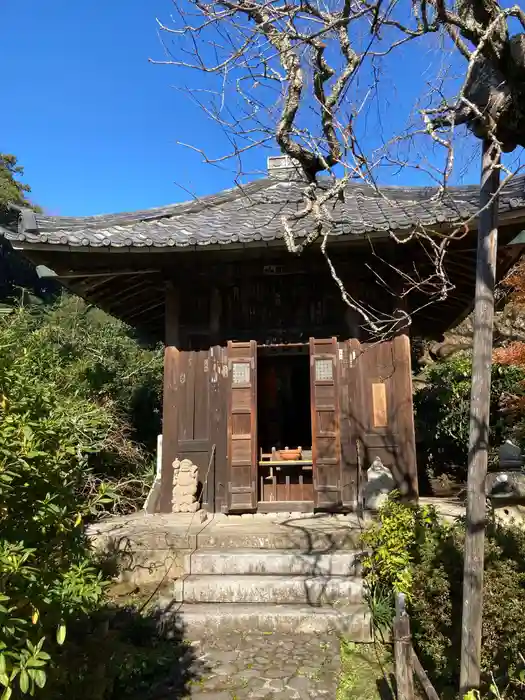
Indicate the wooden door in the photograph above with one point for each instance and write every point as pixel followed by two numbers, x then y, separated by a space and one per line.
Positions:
pixel 349 412
pixel 386 423
pixel 194 418
pixel 242 426
pixel 326 436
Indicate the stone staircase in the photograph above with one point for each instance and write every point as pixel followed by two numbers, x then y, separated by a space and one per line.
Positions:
pixel 313 589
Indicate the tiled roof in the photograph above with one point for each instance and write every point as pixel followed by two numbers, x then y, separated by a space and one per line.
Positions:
pixel 254 213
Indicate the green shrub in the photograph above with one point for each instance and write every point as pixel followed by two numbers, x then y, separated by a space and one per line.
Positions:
pixel 66 379
pixel 85 354
pixel 442 413
pixel 392 543
pixel 437 604
pixel 46 575
pixel 430 556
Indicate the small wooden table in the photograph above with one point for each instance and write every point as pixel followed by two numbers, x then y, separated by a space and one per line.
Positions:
pixel 290 491
pixel 307 464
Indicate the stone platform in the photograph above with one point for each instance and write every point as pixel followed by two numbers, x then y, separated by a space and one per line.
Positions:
pixel 149 548
pixel 153 548
pixel 281 573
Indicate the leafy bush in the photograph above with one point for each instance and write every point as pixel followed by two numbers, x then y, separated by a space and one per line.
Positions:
pixel 86 354
pixel 430 556
pixel 46 576
pixel 442 413
pixel 437 604
pixel 392 541
pixel 66 378
pixel 119 652
pixel 106 361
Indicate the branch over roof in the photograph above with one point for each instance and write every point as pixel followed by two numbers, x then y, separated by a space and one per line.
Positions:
pixel 253 213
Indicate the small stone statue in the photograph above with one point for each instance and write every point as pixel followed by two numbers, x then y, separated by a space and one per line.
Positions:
pixel 380 483
pixel 185 484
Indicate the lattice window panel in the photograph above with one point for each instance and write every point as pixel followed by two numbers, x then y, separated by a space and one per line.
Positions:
pixel 241 373
pixel 324 370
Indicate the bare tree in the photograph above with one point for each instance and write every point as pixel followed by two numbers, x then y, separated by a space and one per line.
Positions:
pixel 307 74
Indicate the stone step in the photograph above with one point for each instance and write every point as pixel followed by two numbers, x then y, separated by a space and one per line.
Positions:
pixel 300 541
pixel 196 621
pixel 273 562
pixel 325 537
pixel 301 590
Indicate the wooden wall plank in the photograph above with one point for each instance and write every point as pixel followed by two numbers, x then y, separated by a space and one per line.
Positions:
pixel 187 395
pixel 196 436
pixel 405 412
pixel 201 422
pixel 221 430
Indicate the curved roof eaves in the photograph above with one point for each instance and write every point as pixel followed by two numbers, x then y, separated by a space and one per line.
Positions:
pixel 254 212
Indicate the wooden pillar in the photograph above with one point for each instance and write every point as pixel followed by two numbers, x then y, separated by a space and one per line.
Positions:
pixel 403 651
pixel 169 403
pixel 470 670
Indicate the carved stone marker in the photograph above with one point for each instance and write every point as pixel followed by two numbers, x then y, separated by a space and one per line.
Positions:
pixel 185 484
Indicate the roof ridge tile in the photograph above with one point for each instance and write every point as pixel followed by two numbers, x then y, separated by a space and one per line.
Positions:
pixel 248 213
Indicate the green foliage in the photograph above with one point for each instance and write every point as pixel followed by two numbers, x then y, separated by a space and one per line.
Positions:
pixel 437 605
pixel 381 603
pixel 118 652
pixel 429 554
pixel 442 413
pixel 12 189
pixel 495 692
pixel 67 376
pixel 18 278
pixel 392 541
pixel 86 355
pixel 366 671
pixel 45 572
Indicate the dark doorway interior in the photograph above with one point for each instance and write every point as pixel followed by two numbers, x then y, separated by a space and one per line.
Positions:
pixel 283 391
pixel 284 420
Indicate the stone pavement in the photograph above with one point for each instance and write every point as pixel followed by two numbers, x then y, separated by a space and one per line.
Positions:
pixel 265 666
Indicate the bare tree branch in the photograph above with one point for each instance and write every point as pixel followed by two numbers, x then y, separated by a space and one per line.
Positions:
pixel 306 75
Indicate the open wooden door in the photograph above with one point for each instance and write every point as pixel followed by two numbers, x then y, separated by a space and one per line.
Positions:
pixel 386 423
pixel 349 421
pixel 326 437
pixel 242 426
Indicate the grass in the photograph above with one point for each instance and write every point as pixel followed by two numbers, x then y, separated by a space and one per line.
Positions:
pixel 366 672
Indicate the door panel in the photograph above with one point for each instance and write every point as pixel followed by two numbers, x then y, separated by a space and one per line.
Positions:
pixel 242 426
pixel 387 411
pixel 326 438
pixel 350 419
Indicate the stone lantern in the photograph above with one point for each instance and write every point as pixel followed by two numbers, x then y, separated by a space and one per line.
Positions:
pixel 506 484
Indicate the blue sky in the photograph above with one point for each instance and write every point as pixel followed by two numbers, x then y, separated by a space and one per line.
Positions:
pixel 94 124
pixel 92 121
